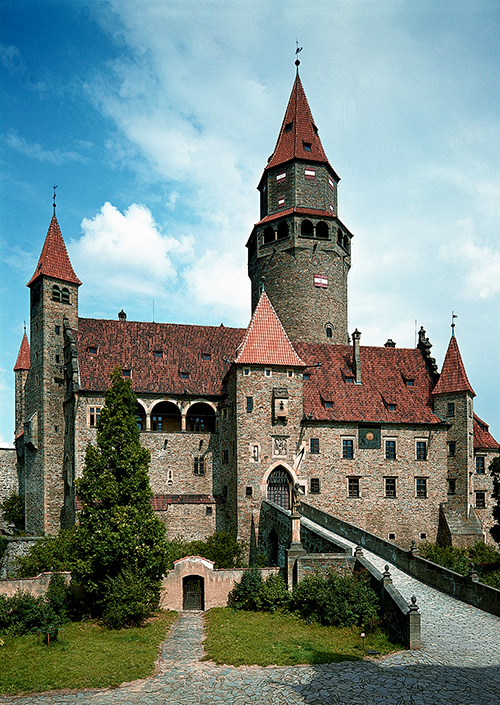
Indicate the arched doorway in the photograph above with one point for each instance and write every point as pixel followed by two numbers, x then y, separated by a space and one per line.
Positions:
pixel 193 593
pixel 278 487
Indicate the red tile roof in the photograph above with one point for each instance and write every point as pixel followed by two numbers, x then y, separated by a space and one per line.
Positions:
pixel 133 345
pixel 23 361
pixel 266 342
pixel 54 260
pixel 453 376
pixel 482 437
pixel 385 373
pixel 298 128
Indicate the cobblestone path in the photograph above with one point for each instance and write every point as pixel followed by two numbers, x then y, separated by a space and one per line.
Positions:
pixel 459 664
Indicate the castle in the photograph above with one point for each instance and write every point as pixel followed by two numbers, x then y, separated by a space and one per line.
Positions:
pixel 372 435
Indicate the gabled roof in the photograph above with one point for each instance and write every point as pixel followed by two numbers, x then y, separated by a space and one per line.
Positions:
pixel 482 437
pixel 133 345
pixel 390 376
pixel 266 342
pixel 23 361
pixel 54 260
pixel 298 129
pixel 453 376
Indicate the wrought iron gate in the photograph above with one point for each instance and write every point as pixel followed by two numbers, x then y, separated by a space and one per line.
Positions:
pixel 193 593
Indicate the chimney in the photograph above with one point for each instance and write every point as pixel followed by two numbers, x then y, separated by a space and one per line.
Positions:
pixel 356 362
pixel 122 315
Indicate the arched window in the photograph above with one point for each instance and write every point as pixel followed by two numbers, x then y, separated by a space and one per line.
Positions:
pixel 140 416
pixel 347 243
pixel 65 296
pixel 56 293
pixel 282 233
pixel 306 228
pixel 268 235
pixel 166 417
pixel 322 230
pixel 340 237
pixel 201 418
pixel 278 487
pixel 329 331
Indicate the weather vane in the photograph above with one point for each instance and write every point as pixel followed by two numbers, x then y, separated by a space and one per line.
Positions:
pixel 54 198
pixel 297 52
pixel 453 316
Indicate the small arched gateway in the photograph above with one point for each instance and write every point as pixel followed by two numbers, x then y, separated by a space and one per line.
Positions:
pixel 278 487
pixel 193 589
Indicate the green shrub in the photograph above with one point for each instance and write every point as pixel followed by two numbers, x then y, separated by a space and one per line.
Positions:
pixel 482 553
pixel 246 594
pixel 26 614
pixel 222 548
pixel 492 579
pixel 129 602
pixel 336 600
pixel 456 559
pixel 273 593
pixel 51 553
pixel 59 597
pixel 12 509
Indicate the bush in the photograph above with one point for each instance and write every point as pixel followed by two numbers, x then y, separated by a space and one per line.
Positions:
pixel 336 600
pixel 52 553
pixel 273 594
pixel 456 559
pixel 129 602
pixel 246 594
pixel 24 613
pixel 12 509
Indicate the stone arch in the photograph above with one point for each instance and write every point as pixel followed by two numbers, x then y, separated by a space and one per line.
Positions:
pixel 322 230
pixel 279 483
pixel 140 415
pixel 269 235
pixel 200 417
pixel 282 232
pixel 306 228
pixel 165 417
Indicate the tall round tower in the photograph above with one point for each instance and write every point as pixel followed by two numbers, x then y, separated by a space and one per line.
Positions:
pixel 299 247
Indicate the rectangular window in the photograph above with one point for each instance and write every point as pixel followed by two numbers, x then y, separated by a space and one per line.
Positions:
pixel 480 464
pixel 246 372
pixel 452 486
pixel 320 281
pixel 184 375
pixel 281 202
pixel 421 486
pixel 289 373
pixel 481 500
pixel 331 207
pixel 158 353
pixel 390 486
pixel 421 450
pixel 306 376
pixel 348 448
pixel 58 330
pixel 330 183
pixel 328 405
pixel 126 373
pixel 314 485
pixel 249 404
pixel 390 450
pixel 451 408
pixel 314 446
pixel 248 491
pixel 94 415
pixel 208 511
pixel 410 382
pixel 353 486
pixel 92 349
pixel 267 373
pixel 157 423
pixel 225 456
pixel 451 448
pixel 255 452
pixel 281 177
pixel 199 465
pixel 207 357
pixel 310 173
pixel 391 407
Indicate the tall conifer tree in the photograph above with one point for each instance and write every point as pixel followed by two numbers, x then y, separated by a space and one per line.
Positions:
pixel 121 540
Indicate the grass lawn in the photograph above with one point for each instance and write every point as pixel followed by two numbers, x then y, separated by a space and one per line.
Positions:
pixel 239 638
pixel 84 656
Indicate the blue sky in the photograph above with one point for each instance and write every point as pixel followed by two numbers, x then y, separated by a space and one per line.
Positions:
pixel 155 119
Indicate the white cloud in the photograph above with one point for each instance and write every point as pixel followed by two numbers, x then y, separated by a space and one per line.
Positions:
pixel 36 151
pixel 127 253
pixel 480 264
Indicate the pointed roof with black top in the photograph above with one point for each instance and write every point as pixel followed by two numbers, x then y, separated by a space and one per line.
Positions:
pixel 54 260
pixel 453 376
pixel 298 137
pixel 23 361
pixel 265 342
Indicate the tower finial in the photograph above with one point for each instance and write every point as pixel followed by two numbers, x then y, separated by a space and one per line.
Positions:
pixel 453 316
pixel 297 52
pixel 54 198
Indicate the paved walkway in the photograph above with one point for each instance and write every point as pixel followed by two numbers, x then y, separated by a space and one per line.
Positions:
pixel 459 664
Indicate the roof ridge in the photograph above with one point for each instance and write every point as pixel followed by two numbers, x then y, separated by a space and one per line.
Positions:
pixel 54 259
pixel 266 341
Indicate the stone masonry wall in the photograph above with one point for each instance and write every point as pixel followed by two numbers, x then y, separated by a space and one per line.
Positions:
pixel 9 482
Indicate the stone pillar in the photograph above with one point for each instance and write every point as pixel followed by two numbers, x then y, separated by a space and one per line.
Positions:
pixel 414 625
pixel 295 551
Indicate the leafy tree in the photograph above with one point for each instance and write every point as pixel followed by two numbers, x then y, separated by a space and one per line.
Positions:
pixel 222 548
pixel 495 474
pixel 12 509
pixel 120 540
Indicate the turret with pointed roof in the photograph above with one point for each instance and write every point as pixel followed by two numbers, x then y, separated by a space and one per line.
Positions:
pixel 54 260
pixel 21 369
pixel 299 245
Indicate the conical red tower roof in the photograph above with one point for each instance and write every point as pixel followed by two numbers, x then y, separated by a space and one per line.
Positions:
pixel 453 375
pixel 23 361
pixel 54 260
pixel 298 138
pixel 266 342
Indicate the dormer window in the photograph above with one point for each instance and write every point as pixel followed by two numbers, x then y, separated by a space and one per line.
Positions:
pixel 207 357
pixel 307 146
pixel 410 382
pixel 288 126
pixel 328 404
pixel 92 350
pixel 391 407
pixel 349 380
pixel 126 373
pixel 315 128
pixel 184 375
pixel 158 353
